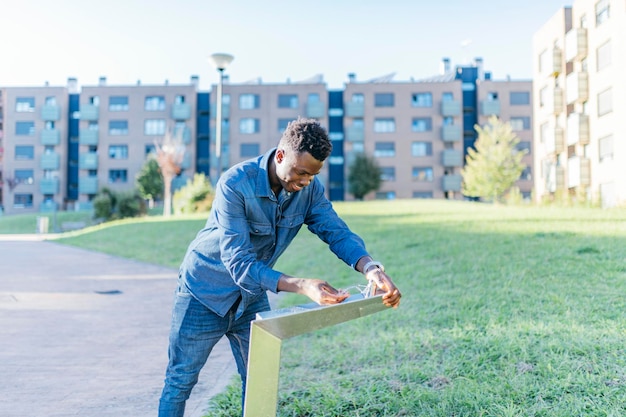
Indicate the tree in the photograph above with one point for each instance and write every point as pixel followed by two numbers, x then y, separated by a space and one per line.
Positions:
pixel 493 167
pixel 149 181
pixel 169 156
pixel 364 176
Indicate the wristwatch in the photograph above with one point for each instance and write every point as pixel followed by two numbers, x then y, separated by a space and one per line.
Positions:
pixel 373 263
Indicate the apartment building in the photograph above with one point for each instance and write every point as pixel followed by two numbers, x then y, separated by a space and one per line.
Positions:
pixel 580 104
pixel 62 145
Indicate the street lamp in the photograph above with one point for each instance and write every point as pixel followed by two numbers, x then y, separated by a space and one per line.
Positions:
pixel 220 62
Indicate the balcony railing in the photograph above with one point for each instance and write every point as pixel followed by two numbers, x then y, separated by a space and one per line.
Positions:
pixel 88 185
pixel 578 171
pixel 315 109
pixel 181 111
pixel 450 108
pixel 88 160
pixel 452 158
pixel 49 186
pixel 50 137
pixel 490 107
pixel 354 134
pixel 50 161
pixel 50 112
pixel 88 137
pixel 577 129
pixel 89 112
pixel 451 133
pixel 451 182
pixel 557 61
pixel 577 87
pixel 354 109
pixel 576 44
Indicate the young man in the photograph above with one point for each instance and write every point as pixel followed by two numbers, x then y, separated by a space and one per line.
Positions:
pixel 258 209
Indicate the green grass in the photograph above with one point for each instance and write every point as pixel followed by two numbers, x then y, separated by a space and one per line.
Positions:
pixel 27 223
pixel 506 312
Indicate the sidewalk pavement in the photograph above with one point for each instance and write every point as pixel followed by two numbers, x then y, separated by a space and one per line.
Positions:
pixel 86 334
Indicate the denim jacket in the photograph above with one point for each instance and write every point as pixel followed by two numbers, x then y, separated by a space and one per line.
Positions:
pixel 249 228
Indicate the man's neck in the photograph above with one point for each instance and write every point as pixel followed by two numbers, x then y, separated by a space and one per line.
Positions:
pixel 275 184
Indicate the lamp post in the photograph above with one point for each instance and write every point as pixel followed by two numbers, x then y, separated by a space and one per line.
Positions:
pixel 220 61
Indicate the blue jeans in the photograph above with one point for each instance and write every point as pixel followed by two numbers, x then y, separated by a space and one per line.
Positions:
pixel 195 331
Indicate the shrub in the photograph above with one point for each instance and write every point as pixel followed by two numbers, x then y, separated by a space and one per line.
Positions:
pixel 109 205
pixel 196 196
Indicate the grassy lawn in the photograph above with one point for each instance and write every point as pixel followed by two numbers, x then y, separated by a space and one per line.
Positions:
pixel 506 312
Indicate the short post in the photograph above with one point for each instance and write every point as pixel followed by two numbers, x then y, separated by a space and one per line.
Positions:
pixel 272 327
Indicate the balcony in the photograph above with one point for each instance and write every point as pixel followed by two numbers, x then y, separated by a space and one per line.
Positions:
pixel 577 129
pixel 554 104
pixel 181 111
pixel 451 158
pixel 451 182
pixel 555 140
pixel 50 112
pixel 450 108
pixel 577 87
pixel 575 44
pixel 354 109
pixel 48 206
pixel 88 185
pixel 490 107
pixel 578 171
pixel 50 137
pixel 88 160
pixel 557 61
pixel 354 134
pixel 49 186
pixel 451 133
pixel 50 161
pixel 89 112
pixel 225 111
pixel 315 109
pixel 88 137
pixel 184 133
pixel 560 178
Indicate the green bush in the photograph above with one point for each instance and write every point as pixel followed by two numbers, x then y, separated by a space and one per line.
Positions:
pixel 196 196
pixel 111 205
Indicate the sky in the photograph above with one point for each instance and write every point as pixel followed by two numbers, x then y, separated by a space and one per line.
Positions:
pixel 274 40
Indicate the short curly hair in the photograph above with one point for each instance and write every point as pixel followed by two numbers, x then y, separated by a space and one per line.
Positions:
pixel 307 135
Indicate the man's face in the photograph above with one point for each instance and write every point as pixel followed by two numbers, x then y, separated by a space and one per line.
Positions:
pixel 296 171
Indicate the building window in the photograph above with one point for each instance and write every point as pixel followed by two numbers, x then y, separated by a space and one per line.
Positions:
pixel 118 127
pixel 543 61
pixel 523 146
pixel 154 127
pixel 24 176
pixel 249 126
pixel 519 98
pixel 468 86
pixel 384 149
pixel 179 99
pixel 388 173
pixel 520 123
pixel 150 150
pixel 118 151
pixel 288 101
pixel 387 125
pixel 605 102
pixel 423 174
pixel 526 174
pixel 603 55
pixel 602 11
pixel 118 175
pixel 24 128
pixel 606 148
pixel 385 195
pixel 118 103
pixel 422 194
pixel 383 100
pixel 422 124
pixel 543 97
pixel 313 98
pixel 421 149
pixel 249 150
pixel 155 103
pixel 24 152
pixel 447 96
pixel 543 132
pixel 422 100
pixel 282 124
pixel 22 200
pixel 50 101
pixel 25 104
pixel 249 101
pixel 358 98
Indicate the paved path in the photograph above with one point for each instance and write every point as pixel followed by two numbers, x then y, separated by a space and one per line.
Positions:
pixel 85 334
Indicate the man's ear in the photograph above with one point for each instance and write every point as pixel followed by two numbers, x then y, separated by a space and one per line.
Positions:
pixel 280 155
